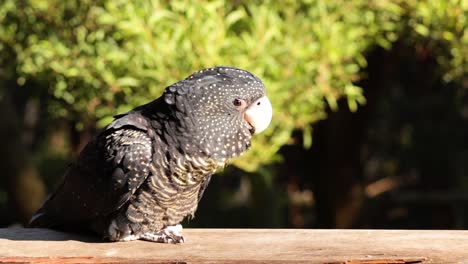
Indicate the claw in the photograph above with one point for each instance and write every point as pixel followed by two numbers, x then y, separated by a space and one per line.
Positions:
pixel 170 234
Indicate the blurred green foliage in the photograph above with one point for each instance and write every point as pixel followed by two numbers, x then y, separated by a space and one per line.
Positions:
pixel 100 58
pixel 443 25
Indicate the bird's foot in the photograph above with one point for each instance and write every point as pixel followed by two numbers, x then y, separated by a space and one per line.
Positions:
pixel 170 234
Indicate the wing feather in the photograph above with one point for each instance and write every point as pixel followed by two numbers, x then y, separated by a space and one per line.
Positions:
pixel 108 172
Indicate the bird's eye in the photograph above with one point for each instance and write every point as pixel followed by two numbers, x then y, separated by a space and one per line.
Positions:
pixel 238 102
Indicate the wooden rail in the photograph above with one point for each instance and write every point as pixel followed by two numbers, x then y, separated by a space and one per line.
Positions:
pixel 242 246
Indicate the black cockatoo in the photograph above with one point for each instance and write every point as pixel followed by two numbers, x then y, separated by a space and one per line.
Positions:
pixel 148 169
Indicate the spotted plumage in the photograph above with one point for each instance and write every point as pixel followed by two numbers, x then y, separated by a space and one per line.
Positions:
pixel 148 169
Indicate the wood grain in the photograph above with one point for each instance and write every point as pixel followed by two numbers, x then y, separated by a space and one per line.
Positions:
pixel 242 246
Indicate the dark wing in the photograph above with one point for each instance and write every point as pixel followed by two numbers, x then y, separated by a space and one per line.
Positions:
pixel 128 157
pixel 108 172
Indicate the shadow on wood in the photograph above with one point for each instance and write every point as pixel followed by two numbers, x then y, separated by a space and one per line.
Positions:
pixel 40 234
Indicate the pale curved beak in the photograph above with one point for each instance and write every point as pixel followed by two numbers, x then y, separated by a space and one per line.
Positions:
pixel 259 114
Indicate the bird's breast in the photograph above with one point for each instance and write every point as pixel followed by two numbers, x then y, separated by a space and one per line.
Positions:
pixel 175 182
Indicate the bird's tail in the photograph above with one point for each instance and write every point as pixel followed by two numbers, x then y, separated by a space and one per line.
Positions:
pixel 39 219
pixel 43 217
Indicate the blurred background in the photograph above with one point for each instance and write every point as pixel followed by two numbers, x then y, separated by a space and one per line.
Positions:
pixel 370 102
